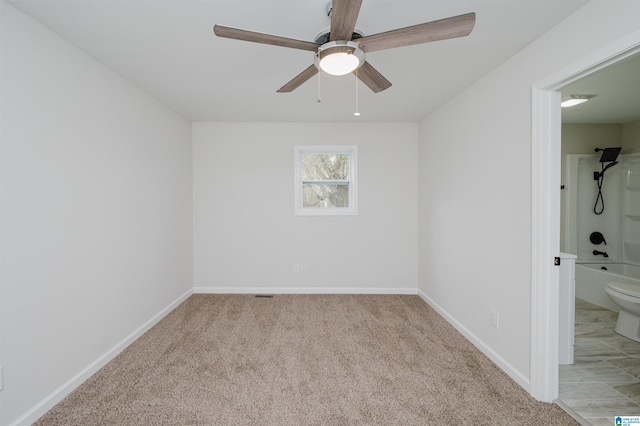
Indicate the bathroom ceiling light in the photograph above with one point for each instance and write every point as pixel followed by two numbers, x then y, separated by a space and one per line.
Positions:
pixel 575 100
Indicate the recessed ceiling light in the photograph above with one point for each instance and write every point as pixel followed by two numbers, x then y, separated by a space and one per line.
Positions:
pixel 575 100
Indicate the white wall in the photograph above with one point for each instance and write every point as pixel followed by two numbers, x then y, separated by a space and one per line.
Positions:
pixel 96 213
pixel 585 138
pixel 475 225
pixel 631 137
pixel 246 237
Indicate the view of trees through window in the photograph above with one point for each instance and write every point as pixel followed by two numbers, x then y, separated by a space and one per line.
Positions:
pixel 325 180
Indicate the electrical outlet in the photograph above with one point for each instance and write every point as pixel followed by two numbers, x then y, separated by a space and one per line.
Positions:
pixel 296 267
pixel 494 319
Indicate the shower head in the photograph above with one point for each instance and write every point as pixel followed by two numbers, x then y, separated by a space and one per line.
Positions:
pixel 599 175
pixel 609 154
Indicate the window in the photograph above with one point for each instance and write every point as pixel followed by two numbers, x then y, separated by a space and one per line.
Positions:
pixel 325 179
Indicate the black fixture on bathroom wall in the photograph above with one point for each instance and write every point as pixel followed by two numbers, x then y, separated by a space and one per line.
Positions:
pixel 609 155
pixel 600 253
pixel 597 238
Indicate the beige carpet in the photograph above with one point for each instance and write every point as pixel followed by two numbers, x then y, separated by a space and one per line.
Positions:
pixel 298 360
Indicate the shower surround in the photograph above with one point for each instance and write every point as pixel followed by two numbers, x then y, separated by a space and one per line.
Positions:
pixel 619 223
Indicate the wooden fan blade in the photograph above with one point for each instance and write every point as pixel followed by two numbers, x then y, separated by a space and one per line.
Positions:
pixel 246 35
pixel 298 80
pixel 372 78
pixel 456 26
pixel 344 14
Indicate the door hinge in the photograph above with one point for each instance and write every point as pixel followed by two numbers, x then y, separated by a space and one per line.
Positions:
pixel 556 261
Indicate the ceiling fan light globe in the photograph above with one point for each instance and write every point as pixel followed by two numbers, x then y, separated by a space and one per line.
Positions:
pixel 340 63
pixel 339 57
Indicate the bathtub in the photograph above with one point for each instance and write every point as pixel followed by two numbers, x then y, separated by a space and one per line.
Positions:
pixel 592 279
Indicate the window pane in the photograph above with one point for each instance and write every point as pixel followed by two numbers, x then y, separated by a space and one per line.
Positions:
pixel 324 196
pixel 325 167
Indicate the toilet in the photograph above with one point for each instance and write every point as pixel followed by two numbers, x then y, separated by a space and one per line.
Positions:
pixel 627 297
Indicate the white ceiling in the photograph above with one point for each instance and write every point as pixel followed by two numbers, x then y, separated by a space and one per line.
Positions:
pixel 616 91
pixel 168 49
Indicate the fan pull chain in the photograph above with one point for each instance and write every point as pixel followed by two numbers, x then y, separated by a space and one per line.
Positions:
pixel 319 98
pixel 357 113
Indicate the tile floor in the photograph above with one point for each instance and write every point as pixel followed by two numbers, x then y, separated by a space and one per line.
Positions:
pixel 604 380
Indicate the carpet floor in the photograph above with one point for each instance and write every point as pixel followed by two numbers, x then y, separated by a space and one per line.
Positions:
pixel 299 360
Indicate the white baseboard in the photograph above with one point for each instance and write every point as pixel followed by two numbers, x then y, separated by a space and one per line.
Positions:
pixel 59 394
pixel 490 353
pixel 303 290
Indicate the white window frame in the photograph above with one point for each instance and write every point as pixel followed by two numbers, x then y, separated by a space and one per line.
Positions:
pixel 352 151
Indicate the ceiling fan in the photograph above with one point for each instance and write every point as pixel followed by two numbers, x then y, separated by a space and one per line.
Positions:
pixel 343 49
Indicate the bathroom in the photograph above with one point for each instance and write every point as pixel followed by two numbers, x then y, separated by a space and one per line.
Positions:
pixel 600 224
pixel 600 196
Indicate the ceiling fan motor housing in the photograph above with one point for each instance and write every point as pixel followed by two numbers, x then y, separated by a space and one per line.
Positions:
pixel 325 35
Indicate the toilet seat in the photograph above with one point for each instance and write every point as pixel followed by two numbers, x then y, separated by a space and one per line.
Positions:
pixel 632 290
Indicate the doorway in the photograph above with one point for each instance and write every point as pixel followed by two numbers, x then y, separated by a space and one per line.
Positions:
pixel 546 153
pixel 602 381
